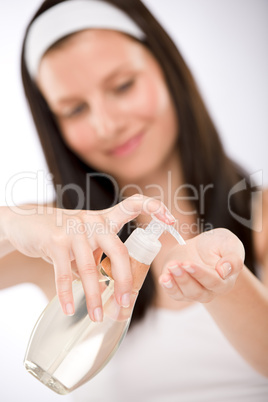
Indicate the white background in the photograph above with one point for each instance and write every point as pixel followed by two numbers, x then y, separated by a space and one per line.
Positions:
pixel 225 43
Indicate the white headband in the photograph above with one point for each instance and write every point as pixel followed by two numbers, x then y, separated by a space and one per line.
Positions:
pixel 69 17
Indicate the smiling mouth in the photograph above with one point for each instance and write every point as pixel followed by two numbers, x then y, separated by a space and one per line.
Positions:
pixel 128 147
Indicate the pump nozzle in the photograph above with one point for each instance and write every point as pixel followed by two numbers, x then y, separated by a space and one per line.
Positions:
pixel 143 245
pixel 156 228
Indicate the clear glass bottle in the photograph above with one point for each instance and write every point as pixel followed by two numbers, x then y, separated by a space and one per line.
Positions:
pixel 64 352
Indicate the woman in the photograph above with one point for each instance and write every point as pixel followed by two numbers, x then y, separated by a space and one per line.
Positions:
pixel 118 112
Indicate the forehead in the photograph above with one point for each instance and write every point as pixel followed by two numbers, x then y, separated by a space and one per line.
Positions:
pixel 91 51
pixel 96 33
pixel 98 37
pixel 85 59
pixel 82 62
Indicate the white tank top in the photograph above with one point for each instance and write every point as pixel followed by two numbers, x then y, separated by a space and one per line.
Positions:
pixel 175 356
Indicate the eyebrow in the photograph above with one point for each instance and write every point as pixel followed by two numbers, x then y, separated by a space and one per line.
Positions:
pixel 112 75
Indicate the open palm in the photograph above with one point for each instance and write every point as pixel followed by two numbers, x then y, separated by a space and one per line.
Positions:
pixel 206 266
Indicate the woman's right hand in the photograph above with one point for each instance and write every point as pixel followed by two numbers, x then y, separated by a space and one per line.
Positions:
pixel 71 239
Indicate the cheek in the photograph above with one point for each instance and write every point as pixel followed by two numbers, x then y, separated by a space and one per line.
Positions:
pixel 148 101
pixel 78 136
pixel 153 100
pixel 157 107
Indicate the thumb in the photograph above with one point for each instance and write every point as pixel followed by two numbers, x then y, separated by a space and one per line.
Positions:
pixel 231 263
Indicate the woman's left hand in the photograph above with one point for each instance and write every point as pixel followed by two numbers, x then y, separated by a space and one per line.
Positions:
pixel 207 266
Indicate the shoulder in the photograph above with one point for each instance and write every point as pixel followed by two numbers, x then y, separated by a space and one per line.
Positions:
pixel 260 232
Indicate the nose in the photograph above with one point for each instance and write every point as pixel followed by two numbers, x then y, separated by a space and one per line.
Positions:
pixel 105 120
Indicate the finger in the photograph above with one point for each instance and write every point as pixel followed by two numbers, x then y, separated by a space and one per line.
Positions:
pixel 171 287
pixel 230 264
pixel 89 276
pixel 229 243
pixel 97 255
pixel 116 250
pixel 75 269
pixel 63 279
pixel 137 204
pixel 207 277
pixel 190 287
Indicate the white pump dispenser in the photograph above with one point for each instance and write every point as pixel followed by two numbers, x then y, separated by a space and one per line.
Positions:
pixel 65 352
pixel 143 245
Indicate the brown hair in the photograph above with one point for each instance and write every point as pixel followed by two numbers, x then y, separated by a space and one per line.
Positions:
pixel 203 159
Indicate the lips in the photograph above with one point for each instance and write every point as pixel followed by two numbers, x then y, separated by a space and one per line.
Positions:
pixel 128 147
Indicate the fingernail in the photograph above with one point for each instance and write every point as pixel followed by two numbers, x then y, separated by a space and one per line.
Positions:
pixel 167 284
pixel 125 300
pixel 69 309
pixel 169 216
pixel 188 268
pixel 225 269
pixel 161 216
pixel 98 314
pixel 175 270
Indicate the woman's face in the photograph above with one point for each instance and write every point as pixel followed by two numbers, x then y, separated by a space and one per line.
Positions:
pixel 111 101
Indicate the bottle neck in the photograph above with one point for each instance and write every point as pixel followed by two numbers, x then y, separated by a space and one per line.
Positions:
pixel 139 271
pixel 142 247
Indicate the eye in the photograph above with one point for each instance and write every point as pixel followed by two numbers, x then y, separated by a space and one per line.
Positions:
pixel 124 87
pixel 76 111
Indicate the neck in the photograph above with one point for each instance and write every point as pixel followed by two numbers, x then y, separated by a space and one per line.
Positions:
pixel 165 184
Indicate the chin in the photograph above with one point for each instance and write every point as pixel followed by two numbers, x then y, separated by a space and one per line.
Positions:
pixel 134 174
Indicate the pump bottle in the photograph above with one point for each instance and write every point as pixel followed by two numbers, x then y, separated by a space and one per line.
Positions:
pixel 64 352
